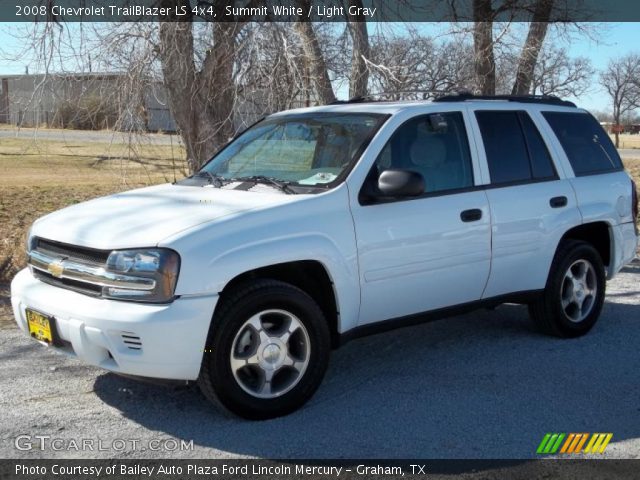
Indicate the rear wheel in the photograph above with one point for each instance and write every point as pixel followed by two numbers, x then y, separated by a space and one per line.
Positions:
pixel 267 351
pixel 574 294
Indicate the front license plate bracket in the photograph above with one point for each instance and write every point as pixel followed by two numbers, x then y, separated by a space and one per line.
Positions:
pixel 42 327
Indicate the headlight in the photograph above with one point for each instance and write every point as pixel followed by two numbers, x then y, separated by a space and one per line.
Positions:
pixel 158 264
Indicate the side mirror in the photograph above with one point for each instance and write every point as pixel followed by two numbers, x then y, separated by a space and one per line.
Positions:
pixel 401 183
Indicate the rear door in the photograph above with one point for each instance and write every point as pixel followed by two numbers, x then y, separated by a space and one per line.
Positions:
pixel 531 202
pixel 430 252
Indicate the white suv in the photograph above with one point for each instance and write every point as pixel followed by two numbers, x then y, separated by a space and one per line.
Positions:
pixel 318 225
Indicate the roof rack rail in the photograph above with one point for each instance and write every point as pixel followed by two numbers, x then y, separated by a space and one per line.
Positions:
pixel 391 96
pixel 358 99
pixel 544 99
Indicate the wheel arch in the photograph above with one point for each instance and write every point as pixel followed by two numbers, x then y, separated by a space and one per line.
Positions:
pixel 599 234
pixel 311 276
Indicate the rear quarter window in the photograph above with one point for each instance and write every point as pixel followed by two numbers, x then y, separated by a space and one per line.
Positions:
pixel 586 144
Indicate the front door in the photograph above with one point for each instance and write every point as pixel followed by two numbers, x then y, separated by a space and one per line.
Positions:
pixel 430 252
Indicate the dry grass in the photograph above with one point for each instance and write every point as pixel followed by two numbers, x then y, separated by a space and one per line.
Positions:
pixel 633 167
pixel 38 177
pixel 628 141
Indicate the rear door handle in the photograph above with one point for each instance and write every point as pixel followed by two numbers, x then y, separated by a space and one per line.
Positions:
pixel 471 215
pixel 558 202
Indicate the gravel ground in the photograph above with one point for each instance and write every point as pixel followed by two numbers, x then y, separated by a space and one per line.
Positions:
pixel 483 385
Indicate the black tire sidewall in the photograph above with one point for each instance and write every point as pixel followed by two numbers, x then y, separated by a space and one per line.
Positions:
pixel 282 297
pixel 581 251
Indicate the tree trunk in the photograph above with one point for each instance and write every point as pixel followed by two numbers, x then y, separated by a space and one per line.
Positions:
pixel 531 49
pixel 484 61
pixel 315 60
pixel 201 102
pixel 359 72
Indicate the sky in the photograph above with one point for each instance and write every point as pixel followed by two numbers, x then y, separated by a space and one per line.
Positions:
pixel 615 39
pixel 618 39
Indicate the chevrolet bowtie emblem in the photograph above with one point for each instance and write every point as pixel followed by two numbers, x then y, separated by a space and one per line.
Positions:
pixel 56 268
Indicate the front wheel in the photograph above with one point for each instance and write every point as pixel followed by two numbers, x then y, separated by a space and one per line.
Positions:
pixel 574 294
pixel 267 350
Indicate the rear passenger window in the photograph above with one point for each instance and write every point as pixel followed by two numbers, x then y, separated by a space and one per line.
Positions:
pixel 541 163
pixel 586 144
pixel 514 147
pixel 505 146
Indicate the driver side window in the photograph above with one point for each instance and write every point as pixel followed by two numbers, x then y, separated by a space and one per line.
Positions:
pixel 435 146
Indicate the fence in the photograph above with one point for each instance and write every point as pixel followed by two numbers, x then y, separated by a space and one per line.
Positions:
pixel 28 118
pixel 158 119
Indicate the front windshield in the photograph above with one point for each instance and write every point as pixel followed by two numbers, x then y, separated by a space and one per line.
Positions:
pixel 303 149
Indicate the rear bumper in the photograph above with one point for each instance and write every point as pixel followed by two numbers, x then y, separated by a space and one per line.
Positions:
pixel 162 341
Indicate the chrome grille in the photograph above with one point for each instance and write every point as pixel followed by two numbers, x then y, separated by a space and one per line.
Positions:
pixel 79 268
pixel 72 252
pixel 80 287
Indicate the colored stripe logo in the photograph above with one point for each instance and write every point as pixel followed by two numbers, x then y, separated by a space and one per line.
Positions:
pixel 573 443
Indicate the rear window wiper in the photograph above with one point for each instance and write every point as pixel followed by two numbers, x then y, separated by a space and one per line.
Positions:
pixel 279 184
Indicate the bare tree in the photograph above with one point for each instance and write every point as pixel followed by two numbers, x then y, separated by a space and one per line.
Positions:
pixel 201 97
pixel 359 77
pixel 419 67
pixel 620 80
pixel 271 72
pixel 532 46
pixel 315 62
pixel 558 74
pixel 491 16
pixel 555 73
pixel 484 61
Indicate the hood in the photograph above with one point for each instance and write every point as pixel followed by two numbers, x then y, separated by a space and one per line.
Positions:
pixel 143 217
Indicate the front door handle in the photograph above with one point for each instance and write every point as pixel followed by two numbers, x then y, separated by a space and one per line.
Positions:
pixel 471 215
pixel 558 202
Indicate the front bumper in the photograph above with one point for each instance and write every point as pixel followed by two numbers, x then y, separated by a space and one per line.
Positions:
pixel 158 341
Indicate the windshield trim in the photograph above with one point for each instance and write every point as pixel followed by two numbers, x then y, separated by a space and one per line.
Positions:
pixel 381 120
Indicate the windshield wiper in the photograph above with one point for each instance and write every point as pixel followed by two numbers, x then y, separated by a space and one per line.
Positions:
pixel 213 179
pixel 279 184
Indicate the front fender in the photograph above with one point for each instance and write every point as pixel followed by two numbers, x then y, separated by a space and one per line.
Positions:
pixel 342 271
pixel 317 228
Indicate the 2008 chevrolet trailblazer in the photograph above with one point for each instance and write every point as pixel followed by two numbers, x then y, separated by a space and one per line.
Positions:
pixel 321 224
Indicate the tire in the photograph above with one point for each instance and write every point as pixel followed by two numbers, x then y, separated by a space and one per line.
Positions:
pixel 570 308
pixel 251 367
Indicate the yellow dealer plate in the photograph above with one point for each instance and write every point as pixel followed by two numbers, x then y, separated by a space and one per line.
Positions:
pixel 40 326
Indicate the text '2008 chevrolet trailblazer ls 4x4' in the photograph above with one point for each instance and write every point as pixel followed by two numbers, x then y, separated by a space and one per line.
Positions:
pixel 321 224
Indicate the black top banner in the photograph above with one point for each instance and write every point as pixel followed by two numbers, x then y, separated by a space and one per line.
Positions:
pixel 311 10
